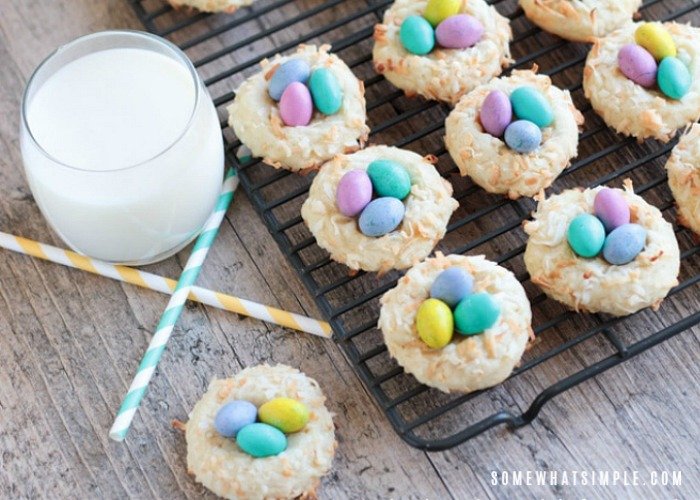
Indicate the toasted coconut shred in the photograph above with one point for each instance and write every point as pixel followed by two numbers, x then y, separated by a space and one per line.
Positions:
pixel 630 108
pixel 444 74
pixel 683 168
pixel 468 363
pixel 255 117
pixel 428 210
pixel 593 285
pixel 223 468
pixel 580 20
pixel 228 6
pixel 490 162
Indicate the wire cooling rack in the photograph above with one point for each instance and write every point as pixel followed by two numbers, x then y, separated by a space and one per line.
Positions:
pixel 570 348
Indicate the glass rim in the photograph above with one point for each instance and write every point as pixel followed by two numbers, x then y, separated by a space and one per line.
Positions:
pixel 174 49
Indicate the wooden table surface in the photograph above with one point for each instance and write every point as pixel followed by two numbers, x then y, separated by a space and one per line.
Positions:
pixel 70 343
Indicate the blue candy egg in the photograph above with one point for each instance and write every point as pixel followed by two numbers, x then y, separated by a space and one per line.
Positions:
pixel 261 440
pixel 624 244
pixel 381 216
pixel 452 285
pixel 417 35
pixel 294 70
pixel 233 416
pixel 673 77
pixel 530 104
pixel 523 136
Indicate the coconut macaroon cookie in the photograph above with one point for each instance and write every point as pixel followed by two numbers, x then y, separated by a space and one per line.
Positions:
pixel 282 455
pixel 457 323
pixel 580 20
pixel 683 168
pixel 602 250
pixel 399 227
pixel 441 49
pixel 644 79
pixel 514 135
pixel 227 6
pixel 300 110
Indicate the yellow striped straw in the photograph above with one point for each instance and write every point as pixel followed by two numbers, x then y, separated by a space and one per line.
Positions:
pixel 165 285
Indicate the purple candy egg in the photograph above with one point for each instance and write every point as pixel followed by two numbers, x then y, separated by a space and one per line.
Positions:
pixel 296 106
pixel 496 113
pixel 459 31
pixel 354 192
pixel 611 208
pixel 637 64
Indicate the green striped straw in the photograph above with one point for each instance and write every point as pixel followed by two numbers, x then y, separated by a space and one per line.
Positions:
pixel 150 360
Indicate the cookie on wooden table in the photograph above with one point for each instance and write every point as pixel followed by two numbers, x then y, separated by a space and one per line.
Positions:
pixel 236 457
pixel 683 169
pixel 460 45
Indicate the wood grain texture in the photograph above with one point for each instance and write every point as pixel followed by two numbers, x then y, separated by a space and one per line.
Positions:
pixel 70 343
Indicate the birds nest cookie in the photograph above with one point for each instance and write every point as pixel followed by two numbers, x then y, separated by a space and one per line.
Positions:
pixel 457 323
pixel 516 158
pixel 644 79
pixel 282 455
pixel 227 6
pixel 300 110
pixel 399 227
pixel 441 49
pixel 683 168
pixel 580 20
pixel 602 250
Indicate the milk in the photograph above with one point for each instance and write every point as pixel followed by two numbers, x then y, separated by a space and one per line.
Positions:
pixel 132 161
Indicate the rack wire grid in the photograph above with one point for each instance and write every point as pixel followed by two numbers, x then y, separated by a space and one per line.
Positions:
pixel 569 347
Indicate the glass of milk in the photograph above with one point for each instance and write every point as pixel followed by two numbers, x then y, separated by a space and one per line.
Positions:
pixel 122 146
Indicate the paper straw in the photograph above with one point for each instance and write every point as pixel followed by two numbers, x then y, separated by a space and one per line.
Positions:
pixel 158 283
pixel 172 312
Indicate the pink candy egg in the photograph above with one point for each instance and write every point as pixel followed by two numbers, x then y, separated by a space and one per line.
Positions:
pixel 354 192
pixel 637 64
pixel 496 113
pixel 459 31
pixel 296 106
pixel 611 208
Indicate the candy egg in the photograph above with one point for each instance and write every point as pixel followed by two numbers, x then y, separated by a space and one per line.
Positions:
pixel 353 193
pixel 434 323
pixel 530 104
pixel 452 285
pixel 637 64
pixel 295 105
pixel 381 216
pixel 459 32
pixel 233 416
pixel 261 440
pixel 496 113
pixel 476 313
pixel 673 77
pixel 586 235
pixel 287 414
pixel 611 208
pixel 656 39
pixel 389 178
pixel 294 70
pixel 325 91
pixel 417 35
pixel 523 136
pixel 438 10
pixel 624 244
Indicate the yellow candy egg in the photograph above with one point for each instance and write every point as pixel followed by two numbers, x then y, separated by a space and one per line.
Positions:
pixel 656 39
pixel 438 10
pixel 435 323
pixel 287 414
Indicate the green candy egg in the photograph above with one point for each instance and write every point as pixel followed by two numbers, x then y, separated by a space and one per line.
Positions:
pixel 261 440
pixel 438 10
pixel 417 35
pixel 586 235
pixel 476 313
pixel 530 104
pixel 325 91
pixel 673 78
pixel 389 179
pixel 435 323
